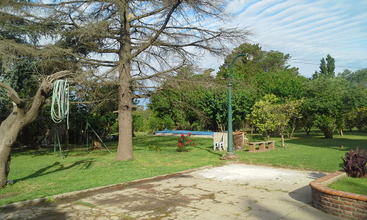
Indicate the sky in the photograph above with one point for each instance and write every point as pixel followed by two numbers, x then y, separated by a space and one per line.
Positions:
pixel 307 30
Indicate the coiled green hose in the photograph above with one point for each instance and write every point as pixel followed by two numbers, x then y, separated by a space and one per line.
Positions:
pixel 60 102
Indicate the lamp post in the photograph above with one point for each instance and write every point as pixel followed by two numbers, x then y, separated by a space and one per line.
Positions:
pixel 230 149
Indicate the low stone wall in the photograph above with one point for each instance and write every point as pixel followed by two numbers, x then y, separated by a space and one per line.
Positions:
pixel 339 203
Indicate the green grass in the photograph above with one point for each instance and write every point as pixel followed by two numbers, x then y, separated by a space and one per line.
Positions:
pixel 349 184
pixel 308 152
pixel 40 173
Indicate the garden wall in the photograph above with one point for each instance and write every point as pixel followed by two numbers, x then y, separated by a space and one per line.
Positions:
pixel 339 203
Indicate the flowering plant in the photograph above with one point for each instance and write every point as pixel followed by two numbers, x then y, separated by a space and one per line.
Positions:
pixel 184 142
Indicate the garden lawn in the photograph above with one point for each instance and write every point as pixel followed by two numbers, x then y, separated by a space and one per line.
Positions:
pixel 349 184
pixel 40 173
pixel 308 152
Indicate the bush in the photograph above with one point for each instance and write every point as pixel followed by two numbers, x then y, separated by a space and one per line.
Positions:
pixel 152 148
pixel 355 163
pixel 184 142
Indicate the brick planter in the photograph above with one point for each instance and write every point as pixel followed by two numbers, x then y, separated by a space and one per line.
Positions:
pixel 339 203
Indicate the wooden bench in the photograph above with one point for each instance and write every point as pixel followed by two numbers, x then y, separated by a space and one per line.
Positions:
pixel 263 146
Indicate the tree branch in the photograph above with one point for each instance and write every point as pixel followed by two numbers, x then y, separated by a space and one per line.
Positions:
pixel 158 33
pixel 13 95
pixel 159 73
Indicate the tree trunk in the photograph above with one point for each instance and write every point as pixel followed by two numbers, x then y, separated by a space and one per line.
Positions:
pixel 282 138
pixel 328 134
pixel 9 130
pixel 125 142
pixel 4 162
pixel 308 130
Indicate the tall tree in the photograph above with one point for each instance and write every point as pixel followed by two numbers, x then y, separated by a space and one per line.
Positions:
pixel 327 67
pixel 138 40
pixel 326 102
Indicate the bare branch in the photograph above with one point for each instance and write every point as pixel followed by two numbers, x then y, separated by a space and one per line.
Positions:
pixel 160 73
pixel 157 11
pixel 158 33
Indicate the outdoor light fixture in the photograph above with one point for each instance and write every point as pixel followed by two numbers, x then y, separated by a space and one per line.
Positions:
pixel 230 149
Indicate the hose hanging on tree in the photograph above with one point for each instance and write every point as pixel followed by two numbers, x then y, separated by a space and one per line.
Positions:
pixel 60 102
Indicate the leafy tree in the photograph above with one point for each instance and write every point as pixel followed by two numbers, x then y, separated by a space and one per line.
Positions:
pixel 244 69
pixel 327 68
pixel 270 115
pixel 189 98
pixel 282 83
pixel 141 119
pixel 326 102
pixel 199 101
pixel 357 77
pixel 267 72
pixel 357 118
pixel 357 99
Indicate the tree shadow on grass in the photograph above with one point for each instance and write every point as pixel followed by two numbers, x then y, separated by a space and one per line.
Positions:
pixel 343 144
pixel 210 150
pixel 57 167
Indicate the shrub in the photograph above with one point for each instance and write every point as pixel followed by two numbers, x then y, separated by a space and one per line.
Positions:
pixel 184 142
pixel 153 148
pixel 355 163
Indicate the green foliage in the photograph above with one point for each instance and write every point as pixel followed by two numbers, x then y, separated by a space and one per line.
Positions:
pixel 327 100
pixel 153 148
pixel 141 120
pixel 282 83
pixel 355 163
pixel 327 68
pixel 157 123
pixel 263 116
pixel 102 123
pixel 243 69
pixel 357 77
pixel 173 103
pixel 270 114
pixel 213 105
pixel 194 97
pixel 357 118
pixel 326 123
pixel 191 101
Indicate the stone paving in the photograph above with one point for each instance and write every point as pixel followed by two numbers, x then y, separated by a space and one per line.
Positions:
pixel 232 192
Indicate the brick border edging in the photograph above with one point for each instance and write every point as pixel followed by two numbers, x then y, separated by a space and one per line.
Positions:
pixel 335 202
pixel 117 185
